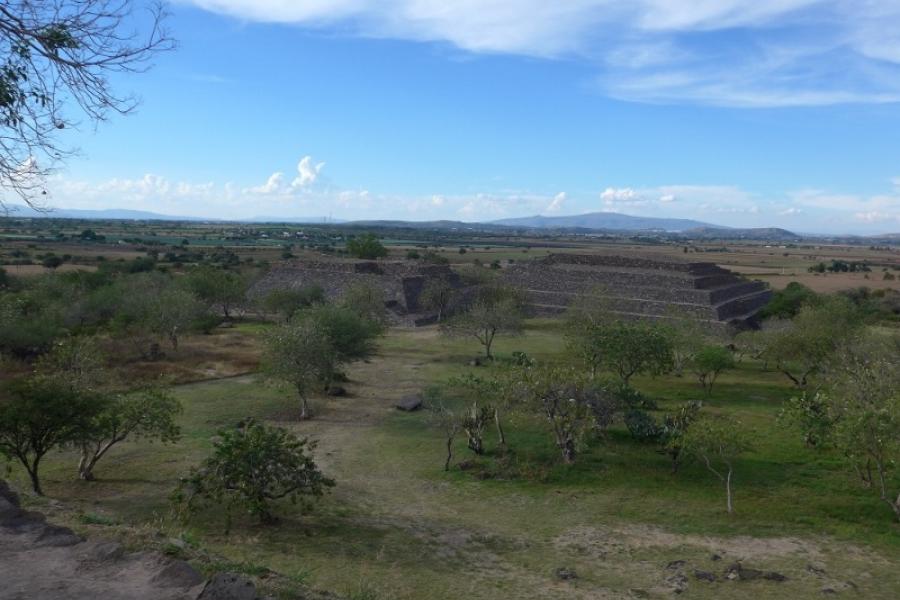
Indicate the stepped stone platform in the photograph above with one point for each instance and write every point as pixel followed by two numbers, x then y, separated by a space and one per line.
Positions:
pixel 629 285
pixel 640 287
pixel 401 282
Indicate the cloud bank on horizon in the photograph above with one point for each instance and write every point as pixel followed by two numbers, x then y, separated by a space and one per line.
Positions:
pixel 312 194
pixel 740 53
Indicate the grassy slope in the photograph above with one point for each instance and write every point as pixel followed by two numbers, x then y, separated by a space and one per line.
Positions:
pixel 396 523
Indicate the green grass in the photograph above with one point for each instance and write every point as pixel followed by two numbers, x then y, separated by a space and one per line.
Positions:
pixel 396 526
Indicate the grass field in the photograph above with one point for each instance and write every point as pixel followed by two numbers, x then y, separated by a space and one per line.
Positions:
pixel 398 527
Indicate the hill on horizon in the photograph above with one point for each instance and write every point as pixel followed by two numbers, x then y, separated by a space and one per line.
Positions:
pixel 606 220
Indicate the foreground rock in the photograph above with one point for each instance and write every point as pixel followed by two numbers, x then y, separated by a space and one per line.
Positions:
pixel 41 560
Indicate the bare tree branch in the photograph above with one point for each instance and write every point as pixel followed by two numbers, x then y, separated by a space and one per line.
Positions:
pixel 57 54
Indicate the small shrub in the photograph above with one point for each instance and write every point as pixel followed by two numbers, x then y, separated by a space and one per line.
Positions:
pixel 642 426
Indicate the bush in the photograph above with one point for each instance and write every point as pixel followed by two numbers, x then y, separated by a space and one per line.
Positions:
pixel 786 303
pixel 367 247
pixel 251 467
pixel 642 426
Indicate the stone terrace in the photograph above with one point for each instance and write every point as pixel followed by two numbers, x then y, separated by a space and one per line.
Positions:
pixel 400 282
pixel 640 287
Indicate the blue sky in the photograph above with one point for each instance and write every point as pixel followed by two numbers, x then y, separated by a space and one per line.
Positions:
pixel 765 113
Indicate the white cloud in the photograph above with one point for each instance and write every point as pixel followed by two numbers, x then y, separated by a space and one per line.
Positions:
pixel 810 210
pixel 557 203
pixel 273 185
pixel 612 195
pixel 789 212
pixel 873 216
pixel 308 172
pixel 751 53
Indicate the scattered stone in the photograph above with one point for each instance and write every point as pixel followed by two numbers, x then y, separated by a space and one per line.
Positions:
pixel 106 551
pixel 705 576
pixel 57 536
pixel 177 573
pixel 675 564
pixel 565 574
pixel 739 572
pixel 829 590
pixel 476 362
pixel 816 569
pixel 337 391
pixel 409 403
pixel 638 593
pixel 715 557
pixel 177 542
pixel 679 582
pixel 228 586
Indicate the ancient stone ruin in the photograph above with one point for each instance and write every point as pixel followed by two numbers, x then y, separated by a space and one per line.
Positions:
pixel 632 286
pixel 640 287
pixel 400 282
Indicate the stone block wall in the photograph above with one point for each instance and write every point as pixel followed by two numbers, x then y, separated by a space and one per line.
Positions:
pixel 639 287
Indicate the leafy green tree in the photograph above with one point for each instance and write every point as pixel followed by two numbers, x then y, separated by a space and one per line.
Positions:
pixel 367 302
pixel 494 393
pixel 810 414
pixel 351 336
pixel 27 328
pixel 251 467
pixel 75 362
pixel 565 401
pixel 631 348
pixel 286 302
pixel 786 303
pixel 718 442
pixel 39 416
pixel 52 262
pixel 688 336
pixel 494 311
pixel 474 420
pixel 437 295
pixel 673 431
pixel 801 350
pixel 366 246
pixel 218 287
pixel 450 424
pixel 708 363
pixel 57 59
pixel 301 355
pixel 148 414
pixel 153 307
pixel 861 402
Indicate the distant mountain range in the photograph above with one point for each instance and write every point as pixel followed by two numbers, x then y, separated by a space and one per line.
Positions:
pixel 595 222
pixel 19 210
pixel 605 221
